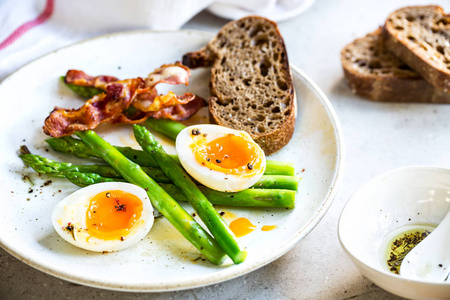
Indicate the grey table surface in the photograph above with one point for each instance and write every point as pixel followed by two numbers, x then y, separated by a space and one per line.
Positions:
pixel 378 137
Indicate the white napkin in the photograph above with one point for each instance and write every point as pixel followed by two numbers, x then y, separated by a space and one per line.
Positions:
pixel 32 28
pixel 72 21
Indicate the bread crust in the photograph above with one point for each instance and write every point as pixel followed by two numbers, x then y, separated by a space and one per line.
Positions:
pixel 251 85
pixel 374 73
pixel 420 36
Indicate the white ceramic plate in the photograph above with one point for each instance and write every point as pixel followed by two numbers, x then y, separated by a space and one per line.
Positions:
pixel 163 261
pixel 281 11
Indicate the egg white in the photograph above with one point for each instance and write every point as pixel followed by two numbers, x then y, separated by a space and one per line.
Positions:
pixel 211 178
pixel 72 210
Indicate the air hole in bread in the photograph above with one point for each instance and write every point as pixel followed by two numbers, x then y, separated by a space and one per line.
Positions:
pixel 275 56
pixel 247 81
pixel 361 62
pixel 282 85
pixel 235 108
pixel 411 38
pixel 276 109
pixel 440 49
pixel 404 67
pixel 283 57
pixel 443 21
pixel 222 62
pixel 398 27
pixel 253 106
pixel 222 40
pixel 260 128
pixel 260 117
pixel 260 40
pixel 255 31
pixel 287 112
pixel 410 18
pixel 264 66
pixel 268 104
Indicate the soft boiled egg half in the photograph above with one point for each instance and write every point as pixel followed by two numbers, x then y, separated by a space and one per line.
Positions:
pixel 220 158
pixel 104 217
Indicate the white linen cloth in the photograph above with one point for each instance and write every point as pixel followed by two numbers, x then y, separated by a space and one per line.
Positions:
pixel 32 28
pixel 72 21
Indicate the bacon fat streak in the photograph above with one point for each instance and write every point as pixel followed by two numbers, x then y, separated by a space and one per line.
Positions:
pixel 127 101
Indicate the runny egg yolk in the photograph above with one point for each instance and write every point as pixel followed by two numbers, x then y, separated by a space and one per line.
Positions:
pixel 112 214
pixel 231 154
pixel 241 227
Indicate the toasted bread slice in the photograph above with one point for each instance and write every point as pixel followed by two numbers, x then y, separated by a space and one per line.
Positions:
pixel 375 73
pixel 420 36
pixel 251 84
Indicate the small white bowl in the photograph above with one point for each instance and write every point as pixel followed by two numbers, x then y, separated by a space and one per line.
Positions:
pixel 413 195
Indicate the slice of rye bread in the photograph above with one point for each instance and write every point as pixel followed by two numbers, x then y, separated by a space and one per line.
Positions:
pixel 420 36
pixel 373 72
pixel 251 85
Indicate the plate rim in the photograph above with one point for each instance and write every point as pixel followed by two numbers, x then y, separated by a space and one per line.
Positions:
pixel 219 277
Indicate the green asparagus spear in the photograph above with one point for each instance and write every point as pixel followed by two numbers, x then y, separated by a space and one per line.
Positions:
pixel 279 168
pixel 84 91
pixel 54 168
pixel 277 182
pixel 57 169
pixel 167 127
pixel 78 148
pixel 162 201
pixel 213 221
pixel 85 179
pixel 251 197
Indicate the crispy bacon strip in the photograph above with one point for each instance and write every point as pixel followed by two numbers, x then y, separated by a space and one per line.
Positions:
pixel 176 73
pixel 111 106
pixel 148 102
pixel 99 109
pixel 178 112
pixel 78 77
